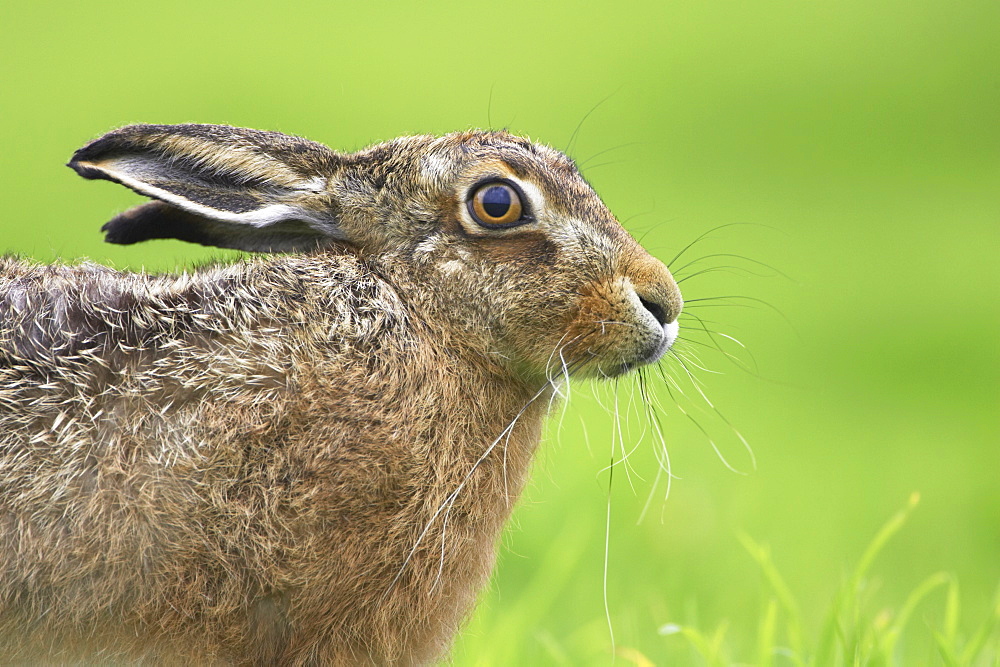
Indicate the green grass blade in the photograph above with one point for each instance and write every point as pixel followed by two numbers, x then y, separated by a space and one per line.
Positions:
pixel 983 634
pixel 891 527
pixel 762 554
pixel 765 636
pixel 888 641
pixel 945 648
pixel 952 611
pixel 826 651
pixel 856 647
pixel 709 648
pixel 717 656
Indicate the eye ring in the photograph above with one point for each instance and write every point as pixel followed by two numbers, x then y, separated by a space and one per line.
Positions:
pixel 497 204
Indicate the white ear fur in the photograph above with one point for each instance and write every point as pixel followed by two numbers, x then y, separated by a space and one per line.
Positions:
pixel 222 186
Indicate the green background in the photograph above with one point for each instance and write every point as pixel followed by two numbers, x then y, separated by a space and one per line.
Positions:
pixel 857 143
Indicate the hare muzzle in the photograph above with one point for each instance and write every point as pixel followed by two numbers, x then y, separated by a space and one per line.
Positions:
pixel 626 320
pixel 660 298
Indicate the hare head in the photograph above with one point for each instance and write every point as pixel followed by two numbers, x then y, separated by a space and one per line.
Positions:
pixel 504 235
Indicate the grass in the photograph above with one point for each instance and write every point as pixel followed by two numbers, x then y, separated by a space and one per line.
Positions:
pixel 856 632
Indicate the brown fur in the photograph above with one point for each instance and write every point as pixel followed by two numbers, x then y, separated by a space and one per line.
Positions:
pixel 296 458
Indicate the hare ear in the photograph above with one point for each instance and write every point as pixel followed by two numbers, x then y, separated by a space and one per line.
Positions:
pixel 217 185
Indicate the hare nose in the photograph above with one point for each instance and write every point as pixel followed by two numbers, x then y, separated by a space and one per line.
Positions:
pixel 665 310
pixel 656 288
pixel 658 311
pixel 661 299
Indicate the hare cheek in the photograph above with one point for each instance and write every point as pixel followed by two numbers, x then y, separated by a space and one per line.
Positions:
pixel 453 267
pixel 598 332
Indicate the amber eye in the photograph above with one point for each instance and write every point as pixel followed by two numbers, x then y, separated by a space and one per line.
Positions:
pixel 496 204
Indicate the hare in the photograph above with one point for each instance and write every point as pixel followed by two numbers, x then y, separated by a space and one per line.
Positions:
pixel 308 455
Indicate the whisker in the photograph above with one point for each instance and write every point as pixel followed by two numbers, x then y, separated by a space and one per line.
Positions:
pixel 557 350
pixel 725 268
pixel 642 434
pixel 698 425
pixel 702 323
pixel 775 270
pixel 581 165
pixel 663 464
pixel 621 439
pixel 705 235
pixel 566 383
pixel 572 138
pixel 607 549
pixel 742 297
pixel 696 363
pixel 652 227
pixel 708 233
pixel 604 164
pixel 506 489
pixel 695 382
pixel 746 445
pixel 690 304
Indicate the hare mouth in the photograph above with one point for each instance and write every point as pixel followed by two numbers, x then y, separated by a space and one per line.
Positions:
pixel 655 351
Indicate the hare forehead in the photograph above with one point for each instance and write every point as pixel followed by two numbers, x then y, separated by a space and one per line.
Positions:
pixel 436 167
pixel 454 154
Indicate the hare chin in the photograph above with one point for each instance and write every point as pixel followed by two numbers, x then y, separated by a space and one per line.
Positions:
pixel 656 352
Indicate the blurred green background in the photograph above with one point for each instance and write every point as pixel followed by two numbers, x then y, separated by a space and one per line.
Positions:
pixel 856 143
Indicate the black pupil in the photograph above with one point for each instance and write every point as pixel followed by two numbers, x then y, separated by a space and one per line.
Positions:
pixel 496 201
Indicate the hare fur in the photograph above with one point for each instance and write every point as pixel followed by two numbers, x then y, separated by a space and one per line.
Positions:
pixel 306 456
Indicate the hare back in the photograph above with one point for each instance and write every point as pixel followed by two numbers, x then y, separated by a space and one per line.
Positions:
pixel 220 446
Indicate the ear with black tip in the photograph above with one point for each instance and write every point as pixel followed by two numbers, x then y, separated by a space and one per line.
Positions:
pixel 217 185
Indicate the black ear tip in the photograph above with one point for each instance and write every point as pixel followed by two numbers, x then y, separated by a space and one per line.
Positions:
pixel 117 234
pixel 88 152
pixel 123 231
pixel 151 220
pixel 86 170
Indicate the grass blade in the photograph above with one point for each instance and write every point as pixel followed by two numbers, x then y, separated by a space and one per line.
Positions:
pixel 983 634
pixel 765 636
pixel 887 643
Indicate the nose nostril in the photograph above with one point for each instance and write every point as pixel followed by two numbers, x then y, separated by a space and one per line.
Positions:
pixel 658 311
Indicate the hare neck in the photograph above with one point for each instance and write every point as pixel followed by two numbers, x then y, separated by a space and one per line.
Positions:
pixel 482 424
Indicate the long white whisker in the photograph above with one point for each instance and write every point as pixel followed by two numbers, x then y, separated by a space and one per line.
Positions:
pixel 506 442
pixel 739 436
pixel 694 361
pixel 566 383
pixel 607 549
pixel 621 437
pixel 556 350
pixel 642 435
pixel 662 453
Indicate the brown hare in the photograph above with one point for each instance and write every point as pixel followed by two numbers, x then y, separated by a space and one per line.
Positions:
pixel 305 457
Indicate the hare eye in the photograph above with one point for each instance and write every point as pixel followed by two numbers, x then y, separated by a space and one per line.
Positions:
pixel 496 204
